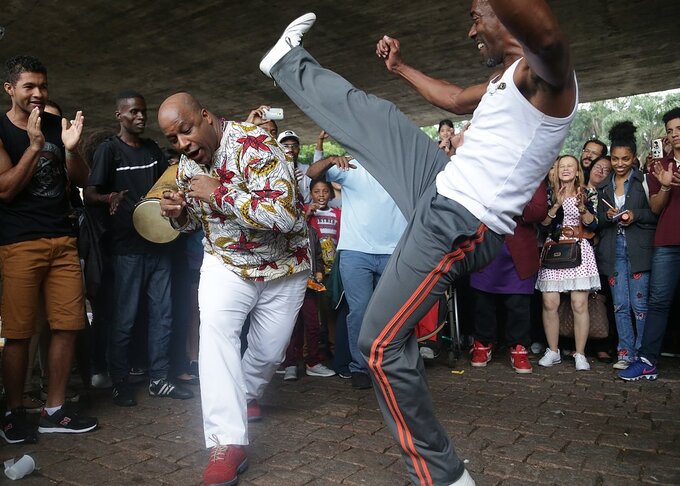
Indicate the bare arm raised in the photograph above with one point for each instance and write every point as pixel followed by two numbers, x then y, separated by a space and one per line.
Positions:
pixel 503 31
pixel 320 167
pixel 535 27
pixel 14 178
pixel 440 93
pixel 78 170
pixel 546 75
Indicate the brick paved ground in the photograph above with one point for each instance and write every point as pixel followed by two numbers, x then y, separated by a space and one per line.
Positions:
pixel 553 427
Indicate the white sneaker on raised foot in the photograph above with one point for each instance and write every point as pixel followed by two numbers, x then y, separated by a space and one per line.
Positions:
pixel 291 37
pixel 464 480
pixel 581 362
pixel 550 358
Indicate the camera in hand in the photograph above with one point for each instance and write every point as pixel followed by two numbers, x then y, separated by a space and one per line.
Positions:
pixel 274 114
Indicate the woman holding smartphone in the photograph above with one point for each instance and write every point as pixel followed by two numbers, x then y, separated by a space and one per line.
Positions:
pixel 624 253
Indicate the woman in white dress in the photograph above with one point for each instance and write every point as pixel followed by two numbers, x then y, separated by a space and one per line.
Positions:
pixel 571 215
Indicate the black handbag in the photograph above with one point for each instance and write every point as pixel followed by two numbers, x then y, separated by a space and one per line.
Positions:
pixel 561 254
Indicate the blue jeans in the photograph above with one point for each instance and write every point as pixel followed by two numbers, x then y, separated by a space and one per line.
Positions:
pixel 360 273
pixel 629 291
pixel 663 282
pixel 138 277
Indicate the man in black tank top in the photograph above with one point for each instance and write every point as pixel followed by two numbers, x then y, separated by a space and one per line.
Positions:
pixel 38 254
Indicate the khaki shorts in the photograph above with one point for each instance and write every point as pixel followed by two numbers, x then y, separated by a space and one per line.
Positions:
pixel 47 264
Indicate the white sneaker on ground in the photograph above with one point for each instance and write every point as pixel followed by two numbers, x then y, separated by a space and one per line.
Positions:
pixel 581 362
pixel 464 480
pixel 426 353
pixel 291 37
pixel 290 374
pixel 536 348
pixel 621 364
pixel 319 369
pixel 550 358
pixel 101 380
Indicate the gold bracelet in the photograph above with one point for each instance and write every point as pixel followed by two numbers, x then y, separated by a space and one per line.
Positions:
pixel 665 189
pixel 551 216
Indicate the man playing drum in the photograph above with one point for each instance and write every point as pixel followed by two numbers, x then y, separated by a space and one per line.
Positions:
pixel 124 168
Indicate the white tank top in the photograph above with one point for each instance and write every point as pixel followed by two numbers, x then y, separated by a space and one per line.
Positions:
pixel 508 150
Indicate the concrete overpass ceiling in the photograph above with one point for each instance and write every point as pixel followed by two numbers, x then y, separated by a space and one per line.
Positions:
pixel 212 48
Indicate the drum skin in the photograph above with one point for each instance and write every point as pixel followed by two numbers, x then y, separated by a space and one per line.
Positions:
pixel 147 218
pixel 150 224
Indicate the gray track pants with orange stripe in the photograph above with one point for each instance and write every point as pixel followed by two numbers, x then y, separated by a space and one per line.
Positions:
pixel 442 241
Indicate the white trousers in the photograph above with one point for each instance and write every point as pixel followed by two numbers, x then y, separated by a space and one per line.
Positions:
pixel 228 381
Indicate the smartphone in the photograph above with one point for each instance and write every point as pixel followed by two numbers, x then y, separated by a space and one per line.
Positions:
pixel 623 216
pixel 657 148
pixel 274 114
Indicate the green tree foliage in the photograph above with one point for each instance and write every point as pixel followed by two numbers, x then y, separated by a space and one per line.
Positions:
pixel 330 147
pixel 431 131
pixel 594 120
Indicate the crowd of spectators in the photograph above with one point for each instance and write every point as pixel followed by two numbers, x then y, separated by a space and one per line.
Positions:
pixel 142 295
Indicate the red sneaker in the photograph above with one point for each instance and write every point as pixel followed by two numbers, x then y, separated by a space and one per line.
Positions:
pixel 254 411
pixel 226 462
pixel 481 354
pixel 519 358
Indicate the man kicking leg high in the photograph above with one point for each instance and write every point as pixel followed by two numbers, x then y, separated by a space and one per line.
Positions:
pixel 458 210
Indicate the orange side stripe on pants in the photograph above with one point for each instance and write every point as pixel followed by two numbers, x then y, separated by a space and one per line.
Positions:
pixel 390 331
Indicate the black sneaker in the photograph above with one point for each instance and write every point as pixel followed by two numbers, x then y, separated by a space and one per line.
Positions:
pixel 361 381
pixel 138 371
pixel 166 388
pixel 123 395
pixel 16 429
pixel 193 368
pixel 65 422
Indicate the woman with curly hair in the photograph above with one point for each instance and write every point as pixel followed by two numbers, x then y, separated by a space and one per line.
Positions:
pixel 627 226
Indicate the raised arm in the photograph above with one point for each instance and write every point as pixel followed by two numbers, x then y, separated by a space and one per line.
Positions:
pixel 660 182
pixel 534 25
pixel 319 168
pixel 77 169
pixel 14 178
pixel 440 93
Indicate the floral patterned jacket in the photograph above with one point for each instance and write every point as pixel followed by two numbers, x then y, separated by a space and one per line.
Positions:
pixel 255 220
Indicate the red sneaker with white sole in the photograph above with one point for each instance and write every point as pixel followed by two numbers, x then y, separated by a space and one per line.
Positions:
pixel 481 354
pixel 519 358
